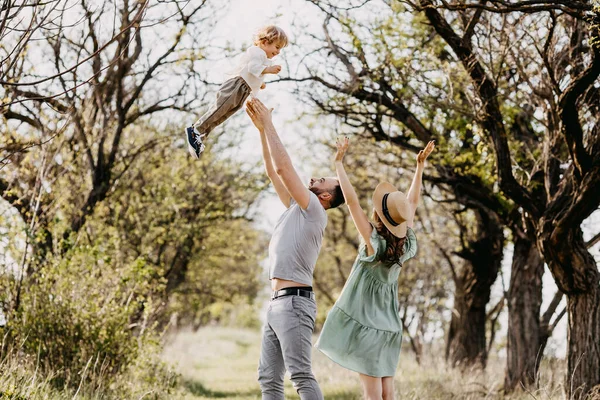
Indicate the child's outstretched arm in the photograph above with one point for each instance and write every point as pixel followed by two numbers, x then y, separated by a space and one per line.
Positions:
pixel 361 221
pixel 256 62
pixel 415 188
pixel 273 69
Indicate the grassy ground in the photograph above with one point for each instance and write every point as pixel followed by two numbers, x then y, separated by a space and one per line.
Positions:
pixel 220 363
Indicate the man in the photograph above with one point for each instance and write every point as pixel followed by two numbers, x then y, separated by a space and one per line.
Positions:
pixel 293 252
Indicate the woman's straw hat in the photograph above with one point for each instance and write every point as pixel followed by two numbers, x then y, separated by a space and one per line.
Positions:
pixel 392 207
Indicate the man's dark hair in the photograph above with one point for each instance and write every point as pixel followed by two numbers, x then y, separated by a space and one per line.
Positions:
pixel 337 197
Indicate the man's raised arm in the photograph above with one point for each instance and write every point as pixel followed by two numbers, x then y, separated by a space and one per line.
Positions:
pixel 261 117
pixel 282 192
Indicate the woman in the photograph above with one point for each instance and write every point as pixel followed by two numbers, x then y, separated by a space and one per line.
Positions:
pixel 363 331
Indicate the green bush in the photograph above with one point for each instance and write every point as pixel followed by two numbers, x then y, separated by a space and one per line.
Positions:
pixel 85 317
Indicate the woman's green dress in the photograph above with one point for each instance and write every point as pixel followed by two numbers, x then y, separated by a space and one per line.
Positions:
pixel 363 331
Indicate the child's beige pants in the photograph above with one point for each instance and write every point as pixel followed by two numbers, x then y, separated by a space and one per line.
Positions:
pixel 230 98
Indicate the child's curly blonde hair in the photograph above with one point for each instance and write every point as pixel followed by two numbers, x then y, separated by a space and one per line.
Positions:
pixel 271 34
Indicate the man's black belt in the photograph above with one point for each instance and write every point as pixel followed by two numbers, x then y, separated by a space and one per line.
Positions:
pixel 293 292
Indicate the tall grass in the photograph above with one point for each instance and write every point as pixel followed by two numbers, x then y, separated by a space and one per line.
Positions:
pixel 147 377
pixel 218 362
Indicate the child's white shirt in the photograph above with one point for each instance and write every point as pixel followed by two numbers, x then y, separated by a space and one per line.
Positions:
pixel 251 66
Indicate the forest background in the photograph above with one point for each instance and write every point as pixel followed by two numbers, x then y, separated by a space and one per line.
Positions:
pixel 130 270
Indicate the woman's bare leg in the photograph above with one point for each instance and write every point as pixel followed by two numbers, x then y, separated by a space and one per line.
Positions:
pixel 387 384
pixel 372 387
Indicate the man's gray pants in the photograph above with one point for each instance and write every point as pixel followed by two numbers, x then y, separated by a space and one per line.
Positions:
pixel 287 344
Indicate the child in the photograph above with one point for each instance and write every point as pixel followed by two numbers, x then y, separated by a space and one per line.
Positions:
pixel 247 78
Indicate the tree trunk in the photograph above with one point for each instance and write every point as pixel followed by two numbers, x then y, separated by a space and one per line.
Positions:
pixel 584 341
pixel 466 339
pixel 576 274
pixel 524 347
pixel 466 344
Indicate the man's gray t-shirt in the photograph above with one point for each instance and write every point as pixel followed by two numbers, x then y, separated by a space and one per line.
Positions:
pixel 296 242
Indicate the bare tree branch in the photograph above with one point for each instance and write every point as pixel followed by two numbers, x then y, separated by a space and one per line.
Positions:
pixel 593 241
pixel 571 127
pixel 492 120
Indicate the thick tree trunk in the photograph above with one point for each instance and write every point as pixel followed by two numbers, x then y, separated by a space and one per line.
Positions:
pixel 525 345
pixel 576 274
pixel 466 344
pixel 466 339
pixel 584 341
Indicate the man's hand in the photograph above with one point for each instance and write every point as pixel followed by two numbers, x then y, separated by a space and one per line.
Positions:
pixel 342 146
pixel 259 114
pixel 273 69
pixel 423 154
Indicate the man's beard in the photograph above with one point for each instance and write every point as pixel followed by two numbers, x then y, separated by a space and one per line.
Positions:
pixel 316 191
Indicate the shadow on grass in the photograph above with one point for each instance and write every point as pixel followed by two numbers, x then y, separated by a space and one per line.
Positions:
pixel 198 389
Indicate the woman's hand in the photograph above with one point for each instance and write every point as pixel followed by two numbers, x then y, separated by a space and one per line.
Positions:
pixel 342 146
pixel 423 154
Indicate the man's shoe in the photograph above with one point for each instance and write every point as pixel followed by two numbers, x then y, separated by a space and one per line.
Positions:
pixel 194 139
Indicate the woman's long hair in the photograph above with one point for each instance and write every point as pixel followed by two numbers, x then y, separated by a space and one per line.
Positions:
pixel 394 245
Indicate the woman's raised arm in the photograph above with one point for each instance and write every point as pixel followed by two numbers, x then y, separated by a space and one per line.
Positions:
pixel 361 221
pixel 414 192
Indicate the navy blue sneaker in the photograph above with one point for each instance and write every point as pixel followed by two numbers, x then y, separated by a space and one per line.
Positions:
pixel 194 139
